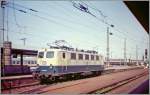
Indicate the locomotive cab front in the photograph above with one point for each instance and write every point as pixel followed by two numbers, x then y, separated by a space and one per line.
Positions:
pixel 46 61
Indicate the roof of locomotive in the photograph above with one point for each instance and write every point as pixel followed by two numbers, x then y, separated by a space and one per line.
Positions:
pixel 70 50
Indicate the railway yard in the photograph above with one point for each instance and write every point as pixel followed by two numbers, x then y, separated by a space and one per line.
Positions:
pixel 74 47
pixel 111 81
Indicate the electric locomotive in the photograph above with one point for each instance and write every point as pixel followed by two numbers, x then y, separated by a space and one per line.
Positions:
pixel 61 61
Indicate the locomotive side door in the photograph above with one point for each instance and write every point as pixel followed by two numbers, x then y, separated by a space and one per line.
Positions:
pixel 64 60
pixel 86 60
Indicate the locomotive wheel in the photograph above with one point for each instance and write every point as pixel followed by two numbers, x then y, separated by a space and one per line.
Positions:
pixel 100 72
pixel 62 78
pixel 53 78
pixel 77 76
pixel 42 79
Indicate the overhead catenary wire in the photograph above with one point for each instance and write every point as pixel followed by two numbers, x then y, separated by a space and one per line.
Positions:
pixel 64 10
pixel 27 8
pixel 31 13
pixel 34 15
pixel 14 4
pixel 101 13
pixel 66 20
pixel 26 12
pixel 25 33
pixel 93 14
pixel 39 16
pixel 69 15
pixel 44 18
pixel 32 9
pixel 37 36
pixel 115 28
pixel 14 14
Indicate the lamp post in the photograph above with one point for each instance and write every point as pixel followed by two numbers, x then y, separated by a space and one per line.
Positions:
pixel 3 3
pixel 107 50
pixel 125 58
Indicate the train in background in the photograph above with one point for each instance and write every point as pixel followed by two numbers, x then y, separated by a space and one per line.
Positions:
pixel 27 61
pixel 31 62
pixel 129 62
pixel 57 62
pixel 15 68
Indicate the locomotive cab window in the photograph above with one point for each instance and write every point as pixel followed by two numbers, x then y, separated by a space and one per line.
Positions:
pixel 63 55
pixel 50 54
pixel 41 55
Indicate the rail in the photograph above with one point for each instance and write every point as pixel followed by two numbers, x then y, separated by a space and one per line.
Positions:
pixel 116 85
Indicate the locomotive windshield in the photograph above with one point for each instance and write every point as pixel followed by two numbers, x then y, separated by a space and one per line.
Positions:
pixel 41 55
pixel 50 54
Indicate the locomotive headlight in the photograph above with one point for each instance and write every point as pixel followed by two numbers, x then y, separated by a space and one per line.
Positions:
pixel 43 62
pixel 37 65
pixel 51 66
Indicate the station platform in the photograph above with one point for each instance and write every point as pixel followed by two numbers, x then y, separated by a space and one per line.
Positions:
pixel 16 77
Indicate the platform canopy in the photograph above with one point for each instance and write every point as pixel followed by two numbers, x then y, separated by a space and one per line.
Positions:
pixel 140 9
pixel 23 51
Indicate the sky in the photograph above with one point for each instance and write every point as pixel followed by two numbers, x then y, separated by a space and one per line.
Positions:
pixel 60 20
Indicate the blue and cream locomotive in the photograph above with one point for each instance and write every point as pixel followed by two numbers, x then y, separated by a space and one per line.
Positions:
pixel 58 61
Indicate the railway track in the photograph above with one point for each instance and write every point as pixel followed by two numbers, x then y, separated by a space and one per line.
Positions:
pixel 118 84
pixel 33 85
